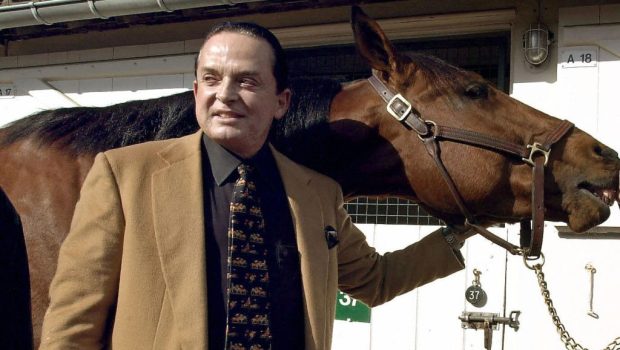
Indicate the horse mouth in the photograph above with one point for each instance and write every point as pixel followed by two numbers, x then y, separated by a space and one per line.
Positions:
pixel 603 194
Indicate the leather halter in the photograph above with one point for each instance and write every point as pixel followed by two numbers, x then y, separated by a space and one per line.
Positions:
pixel 535 154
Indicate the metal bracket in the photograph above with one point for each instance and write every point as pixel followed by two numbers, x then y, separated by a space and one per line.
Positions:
pixel 162 5
pixel 35 13
pixel 95 11
pixel 536 147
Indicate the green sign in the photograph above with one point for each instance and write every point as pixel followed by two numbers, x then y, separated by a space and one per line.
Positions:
pixel 351 310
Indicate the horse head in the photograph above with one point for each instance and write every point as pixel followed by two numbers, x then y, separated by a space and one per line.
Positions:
pixel 581 179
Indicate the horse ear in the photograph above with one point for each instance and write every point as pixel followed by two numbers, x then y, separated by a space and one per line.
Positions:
pixel 372 43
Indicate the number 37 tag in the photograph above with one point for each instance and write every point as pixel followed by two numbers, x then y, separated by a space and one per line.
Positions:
pixel 475 295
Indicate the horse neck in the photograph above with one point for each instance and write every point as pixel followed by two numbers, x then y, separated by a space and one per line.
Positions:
pixel 358 154
pixel 341 139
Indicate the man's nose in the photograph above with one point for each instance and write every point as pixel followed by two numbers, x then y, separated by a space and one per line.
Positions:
pixel 227 91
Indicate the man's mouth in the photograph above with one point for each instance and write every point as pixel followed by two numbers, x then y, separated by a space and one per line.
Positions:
pixel 227 115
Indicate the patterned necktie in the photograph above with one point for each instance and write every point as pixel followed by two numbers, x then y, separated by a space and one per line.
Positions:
pixel 247 326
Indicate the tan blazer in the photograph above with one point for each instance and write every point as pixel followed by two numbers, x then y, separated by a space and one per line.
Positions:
pixel 131 273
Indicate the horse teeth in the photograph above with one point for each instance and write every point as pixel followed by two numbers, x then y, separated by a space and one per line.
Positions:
pixel 613 195
pixel 607 196
pixel 610 196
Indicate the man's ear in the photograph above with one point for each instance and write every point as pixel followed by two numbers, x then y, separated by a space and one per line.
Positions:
pixel 195 87
pixel 284 100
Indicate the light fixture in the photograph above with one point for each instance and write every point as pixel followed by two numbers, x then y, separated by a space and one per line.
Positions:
pixel 536 41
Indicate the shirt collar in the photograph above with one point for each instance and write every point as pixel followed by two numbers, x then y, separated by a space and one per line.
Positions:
pixel 224 163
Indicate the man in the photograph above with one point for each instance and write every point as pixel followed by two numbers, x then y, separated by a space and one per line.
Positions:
pixel 149 261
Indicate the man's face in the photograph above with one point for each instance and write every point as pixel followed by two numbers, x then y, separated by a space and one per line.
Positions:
pixel 235 92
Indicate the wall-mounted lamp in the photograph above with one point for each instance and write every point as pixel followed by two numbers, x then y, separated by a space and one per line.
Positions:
pixel 536 41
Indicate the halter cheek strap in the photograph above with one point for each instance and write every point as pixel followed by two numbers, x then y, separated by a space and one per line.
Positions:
pixel 535 154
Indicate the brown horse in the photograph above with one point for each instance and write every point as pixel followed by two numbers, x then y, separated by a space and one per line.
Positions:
pixel 356 141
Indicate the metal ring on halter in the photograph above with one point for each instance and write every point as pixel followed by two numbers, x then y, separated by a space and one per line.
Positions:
pixel 430 132
pixel 532 267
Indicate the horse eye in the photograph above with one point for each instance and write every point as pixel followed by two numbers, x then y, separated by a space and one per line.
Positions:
pixel 477 91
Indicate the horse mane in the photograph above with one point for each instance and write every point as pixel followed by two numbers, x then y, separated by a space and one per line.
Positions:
pixel 444 76
pixel 89 130
pixel 301 134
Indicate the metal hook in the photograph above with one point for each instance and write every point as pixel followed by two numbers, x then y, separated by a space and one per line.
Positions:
pixel 592 270
pixel 477 274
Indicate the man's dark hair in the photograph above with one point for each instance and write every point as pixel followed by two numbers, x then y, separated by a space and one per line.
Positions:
pixel 280 68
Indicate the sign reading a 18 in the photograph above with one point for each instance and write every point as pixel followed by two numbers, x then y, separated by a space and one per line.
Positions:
pixel 579 56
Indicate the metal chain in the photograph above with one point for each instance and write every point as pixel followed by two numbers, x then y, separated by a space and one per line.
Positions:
pixel 568 341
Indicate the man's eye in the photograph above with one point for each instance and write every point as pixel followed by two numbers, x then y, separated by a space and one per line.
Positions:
pixel 209 79
pixel 248 82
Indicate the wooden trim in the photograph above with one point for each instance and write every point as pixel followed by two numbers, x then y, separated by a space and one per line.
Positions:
pixel 83 64
pixel 401 28
pixel 599 232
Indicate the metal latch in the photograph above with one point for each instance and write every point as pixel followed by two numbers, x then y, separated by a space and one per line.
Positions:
pixel 488 322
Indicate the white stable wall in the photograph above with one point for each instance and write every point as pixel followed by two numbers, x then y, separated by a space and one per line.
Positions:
pixel 427 318
pixel 587 95
pixel 97 83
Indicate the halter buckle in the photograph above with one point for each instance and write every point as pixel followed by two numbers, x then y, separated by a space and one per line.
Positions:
pixel 395 107
pixel 536 147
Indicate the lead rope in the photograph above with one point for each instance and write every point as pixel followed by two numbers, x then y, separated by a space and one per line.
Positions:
pixel 569 342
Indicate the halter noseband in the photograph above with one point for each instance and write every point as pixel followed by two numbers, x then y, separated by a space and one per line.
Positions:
pixel 535 154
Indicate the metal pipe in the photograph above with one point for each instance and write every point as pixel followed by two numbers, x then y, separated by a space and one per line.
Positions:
pixel 56 11
pixel 37 4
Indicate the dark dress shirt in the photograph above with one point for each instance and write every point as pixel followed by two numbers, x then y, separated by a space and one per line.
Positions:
pixel 15 321
pixel 219 176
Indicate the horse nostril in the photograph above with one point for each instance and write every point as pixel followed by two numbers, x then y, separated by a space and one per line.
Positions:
pixel 605 152
pixel 598 150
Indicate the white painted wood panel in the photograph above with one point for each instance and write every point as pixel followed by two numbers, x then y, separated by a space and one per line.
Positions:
pixel 394 323
pixel 427 318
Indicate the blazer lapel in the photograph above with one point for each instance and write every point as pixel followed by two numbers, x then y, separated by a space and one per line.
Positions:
pixel 178 216
pixel 308 222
